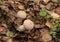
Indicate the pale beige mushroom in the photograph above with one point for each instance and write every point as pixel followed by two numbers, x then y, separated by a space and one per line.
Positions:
pixel 21 28
pixel 28 24
pixel 21 14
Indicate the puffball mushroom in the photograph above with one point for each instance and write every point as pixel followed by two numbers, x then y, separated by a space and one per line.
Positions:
pixel 21 28
pixel 28 24
pixel 21 14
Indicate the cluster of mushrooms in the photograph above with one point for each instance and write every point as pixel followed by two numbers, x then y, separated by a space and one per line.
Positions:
pixel 27 24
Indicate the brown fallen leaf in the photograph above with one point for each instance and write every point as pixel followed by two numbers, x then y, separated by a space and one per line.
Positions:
pixel 5 25
pixel 4 8
pixel 20 6
pixel 30 41
pixel 54 15
pixel 57 10
pixel 9 40
pixel 46 37
pixel 3 30
pixel 49 24
pixel 46 1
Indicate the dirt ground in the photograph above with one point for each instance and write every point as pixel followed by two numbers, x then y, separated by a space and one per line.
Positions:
pixel 29 20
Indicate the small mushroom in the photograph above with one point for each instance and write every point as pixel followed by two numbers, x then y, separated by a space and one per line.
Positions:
pixel 28 24
pixel 21 14
pixel 21 28
pixel 57 10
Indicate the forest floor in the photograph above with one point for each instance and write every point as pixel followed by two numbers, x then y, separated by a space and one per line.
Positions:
pixel 29 20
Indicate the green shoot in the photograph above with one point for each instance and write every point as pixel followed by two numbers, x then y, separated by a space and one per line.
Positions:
pixel 31 3
pixel 54 28
pixel 53 33
pixel 10 34
pixel 1 1
pixel 44 14
pixel 55 0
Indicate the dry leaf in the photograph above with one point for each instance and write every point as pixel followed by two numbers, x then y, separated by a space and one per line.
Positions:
pixel 46 37
pixel 21 6
pixel 46 1
pixel 37 25
pixel 54 15
pixel 9 40
pixel 48 24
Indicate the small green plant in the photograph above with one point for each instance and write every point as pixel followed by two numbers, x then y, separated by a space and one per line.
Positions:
pixel 55 0
pixel 44 14
pixel 56 24
pixel 1 1
pixel 31 3
pixel 10 34
pixel 53 33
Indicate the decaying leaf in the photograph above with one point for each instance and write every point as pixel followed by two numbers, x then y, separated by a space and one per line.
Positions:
pixel 48 24
pixel 9 40
pixel 20 6
pixel 54 15
pixel 46 1
pixel 46 37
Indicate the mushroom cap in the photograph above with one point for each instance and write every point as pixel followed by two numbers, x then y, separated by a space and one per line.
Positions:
pixel 28 24
pixel 21 28
pixel 21 14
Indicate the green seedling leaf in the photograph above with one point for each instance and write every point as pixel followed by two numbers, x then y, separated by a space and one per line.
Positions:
pixel 32 3
pixel 53 33
pixel 55 0
pixel 1 1
pixel 43 13
pixel 10 34
pixel 48 16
